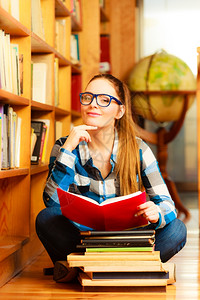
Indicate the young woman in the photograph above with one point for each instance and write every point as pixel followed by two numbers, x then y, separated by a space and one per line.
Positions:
pixel 102 159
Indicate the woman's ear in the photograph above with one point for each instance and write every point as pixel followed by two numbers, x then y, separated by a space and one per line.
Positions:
pixel 120 112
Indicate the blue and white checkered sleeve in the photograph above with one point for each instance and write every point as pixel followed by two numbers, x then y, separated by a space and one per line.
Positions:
pixel 61 173
pixel 155 186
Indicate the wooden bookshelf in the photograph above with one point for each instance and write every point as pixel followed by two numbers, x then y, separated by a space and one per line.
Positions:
pixel 7 97
pixel 21 189
pixel 11 25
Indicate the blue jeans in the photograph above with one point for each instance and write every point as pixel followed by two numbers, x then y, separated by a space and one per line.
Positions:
pixel 60 237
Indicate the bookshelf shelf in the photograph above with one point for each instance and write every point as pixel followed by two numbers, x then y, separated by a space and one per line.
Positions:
pixel 192 92
pixel 38 45
pixel 11 25
pixel 36 169
pixel 10 244
pixel 13 99
pixel 76 69
pixel 61 10
pixel 14 172
pixel 41 106
pixel 61 112
pixel 103 15
pixel 76 26
pixel 76 114
pixel 62 60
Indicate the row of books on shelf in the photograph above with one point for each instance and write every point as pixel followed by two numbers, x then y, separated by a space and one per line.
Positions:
pixel 11 71
pixel 11 6
pixel 37 25
pixel 10 128
pixel 11 65
pixel 41 74
pixel 39 138
pixel 120 258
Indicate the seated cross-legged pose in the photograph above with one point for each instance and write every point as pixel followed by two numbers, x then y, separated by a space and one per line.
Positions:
pixel 101 159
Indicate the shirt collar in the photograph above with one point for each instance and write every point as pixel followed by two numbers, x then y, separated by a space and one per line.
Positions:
pixel 85 153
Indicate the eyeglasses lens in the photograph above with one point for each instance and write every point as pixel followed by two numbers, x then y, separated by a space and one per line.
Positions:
pixel 86 99
pixel 102 100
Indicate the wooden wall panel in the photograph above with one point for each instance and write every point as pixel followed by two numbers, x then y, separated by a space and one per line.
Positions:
pixel 122 30
pixel 89 40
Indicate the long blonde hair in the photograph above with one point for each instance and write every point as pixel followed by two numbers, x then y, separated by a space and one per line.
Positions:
pixel 128 161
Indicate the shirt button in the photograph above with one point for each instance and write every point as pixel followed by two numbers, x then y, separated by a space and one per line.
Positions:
pixel 47 199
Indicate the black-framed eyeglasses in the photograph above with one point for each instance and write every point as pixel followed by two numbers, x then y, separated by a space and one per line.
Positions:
pixel 103 100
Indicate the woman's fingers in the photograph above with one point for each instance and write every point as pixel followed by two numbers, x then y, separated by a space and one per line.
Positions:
pixel 78 134
pixel 149 210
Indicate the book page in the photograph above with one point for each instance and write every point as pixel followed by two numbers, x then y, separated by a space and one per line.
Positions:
pixel 120 198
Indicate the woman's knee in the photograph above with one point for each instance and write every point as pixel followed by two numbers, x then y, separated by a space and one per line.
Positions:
pixel 180 231
pixel 45 217
pixel 171 239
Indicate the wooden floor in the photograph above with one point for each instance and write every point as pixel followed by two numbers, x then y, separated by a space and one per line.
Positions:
pixel 32 284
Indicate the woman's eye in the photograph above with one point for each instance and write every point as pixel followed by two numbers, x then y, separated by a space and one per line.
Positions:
pixel 105 99
pixel 87 98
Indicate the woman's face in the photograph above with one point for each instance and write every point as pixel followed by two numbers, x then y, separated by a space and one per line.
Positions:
pixel 95 115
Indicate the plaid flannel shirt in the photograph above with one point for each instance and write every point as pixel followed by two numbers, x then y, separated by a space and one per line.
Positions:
pixel 75 172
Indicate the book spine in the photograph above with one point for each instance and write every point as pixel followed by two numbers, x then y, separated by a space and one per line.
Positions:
pixel 118 243
pixel 118 249
pixel 113 233
pixel 129 275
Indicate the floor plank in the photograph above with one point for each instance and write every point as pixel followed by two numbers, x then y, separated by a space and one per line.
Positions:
pixel 32 284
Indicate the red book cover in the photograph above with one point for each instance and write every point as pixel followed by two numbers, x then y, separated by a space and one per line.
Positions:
pixel 76 86
pixel 105 48
pixel 113 214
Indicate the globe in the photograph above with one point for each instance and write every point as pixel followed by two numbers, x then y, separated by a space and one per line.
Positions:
pixel 161 72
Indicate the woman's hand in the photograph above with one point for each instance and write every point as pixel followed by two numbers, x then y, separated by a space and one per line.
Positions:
pixel 149 210
pixel 78 134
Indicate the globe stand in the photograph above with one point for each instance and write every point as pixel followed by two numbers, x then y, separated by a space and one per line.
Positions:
pixel 161 139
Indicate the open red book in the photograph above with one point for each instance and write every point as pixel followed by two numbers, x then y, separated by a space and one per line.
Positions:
pixel 113 214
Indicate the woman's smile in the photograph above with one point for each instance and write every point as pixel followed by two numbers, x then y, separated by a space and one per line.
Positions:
pixel 93 114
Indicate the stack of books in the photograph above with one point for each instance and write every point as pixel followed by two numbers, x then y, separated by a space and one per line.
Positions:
pixel 120 259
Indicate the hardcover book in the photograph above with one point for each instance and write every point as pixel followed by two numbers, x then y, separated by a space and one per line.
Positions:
pixel 113 214
pixel 129 275
pixel 38 128
pixel 118 249
pixel 120 242
pixel 85 280
pixel 136 233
